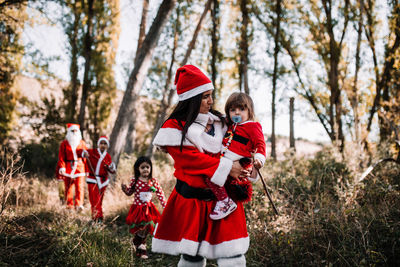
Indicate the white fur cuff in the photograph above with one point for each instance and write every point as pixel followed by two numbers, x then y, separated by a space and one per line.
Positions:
pixel 222 172
pixel 260 157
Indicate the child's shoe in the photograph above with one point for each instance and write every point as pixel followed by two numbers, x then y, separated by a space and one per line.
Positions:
pixel 223 208
pixel 141 252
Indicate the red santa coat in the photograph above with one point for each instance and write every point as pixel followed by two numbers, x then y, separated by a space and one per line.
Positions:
pixel 195 233
pixel 99 162
pixel 248 137
pixel 71 160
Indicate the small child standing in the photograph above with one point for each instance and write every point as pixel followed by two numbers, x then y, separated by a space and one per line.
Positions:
pixel 100 164
pixel 143 214
pixel 243 139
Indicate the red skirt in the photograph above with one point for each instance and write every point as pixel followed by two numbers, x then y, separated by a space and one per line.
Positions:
pixel 142 217
pixel 186 228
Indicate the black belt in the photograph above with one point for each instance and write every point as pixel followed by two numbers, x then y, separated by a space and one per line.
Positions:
pixel 238 138
pixel 188 191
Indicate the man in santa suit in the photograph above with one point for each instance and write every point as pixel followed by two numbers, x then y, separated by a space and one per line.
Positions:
pixel 72 166
pixel 99 165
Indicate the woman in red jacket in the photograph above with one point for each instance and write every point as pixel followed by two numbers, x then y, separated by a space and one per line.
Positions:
pixel 185 227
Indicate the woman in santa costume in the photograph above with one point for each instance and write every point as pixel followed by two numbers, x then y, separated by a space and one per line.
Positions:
pixel 71 165
pixel 98 167
pixel 192 135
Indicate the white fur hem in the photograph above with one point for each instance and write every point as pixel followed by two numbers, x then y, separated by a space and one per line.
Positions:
pixel 222 172
pixel 185 246
pixel 195 91
pixel 223 250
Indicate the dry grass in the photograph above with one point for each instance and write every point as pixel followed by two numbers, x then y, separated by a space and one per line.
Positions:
pixel 326 217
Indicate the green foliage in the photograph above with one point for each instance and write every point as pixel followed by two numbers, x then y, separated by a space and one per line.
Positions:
pixel 327 218
pixel 11 50
pixel 40 157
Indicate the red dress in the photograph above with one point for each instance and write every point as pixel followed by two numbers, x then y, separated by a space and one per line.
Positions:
pixel 143 213
pixel 185 227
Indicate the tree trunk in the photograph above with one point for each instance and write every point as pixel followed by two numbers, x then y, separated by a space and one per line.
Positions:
pixel 73 40
pixel 291 122
pixel 196 33
pixel 244 49
pixel 275 76
pixel 354 95
pixel 88 56
pixel 130 142
pixel 169 93
pixel 214 44
pixel 127 112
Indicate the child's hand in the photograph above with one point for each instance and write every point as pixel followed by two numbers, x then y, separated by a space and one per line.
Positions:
pixel 257 163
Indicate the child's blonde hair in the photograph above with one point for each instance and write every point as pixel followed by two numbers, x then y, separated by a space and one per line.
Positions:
pixel 239 100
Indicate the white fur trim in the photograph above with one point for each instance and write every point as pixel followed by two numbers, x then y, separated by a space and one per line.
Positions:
pixel 73 176
pixel 231 155
pixel 254 180
pixel 184 263
pixel 184 246
pixel 195 91
pixel 74 127
pixel 260 157
pixel 223 250
pixel 222 172
pixel 232 262
pixel 200 138
pixel 170 137
pixel 103 139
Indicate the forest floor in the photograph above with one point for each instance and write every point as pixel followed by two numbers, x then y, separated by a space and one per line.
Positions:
pixel 327 217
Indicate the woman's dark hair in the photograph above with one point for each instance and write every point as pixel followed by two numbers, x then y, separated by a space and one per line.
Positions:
pixel 138 162
pixel 187 111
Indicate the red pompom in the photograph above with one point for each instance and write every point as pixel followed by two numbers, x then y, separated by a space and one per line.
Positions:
pixel 239 189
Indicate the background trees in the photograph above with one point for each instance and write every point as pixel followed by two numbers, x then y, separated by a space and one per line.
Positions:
pixel 339 57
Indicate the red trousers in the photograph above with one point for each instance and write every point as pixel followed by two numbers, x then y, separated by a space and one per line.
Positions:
pixel 96 200
pixel 79 184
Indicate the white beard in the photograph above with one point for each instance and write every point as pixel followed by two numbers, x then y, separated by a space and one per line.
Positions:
pixel 74 138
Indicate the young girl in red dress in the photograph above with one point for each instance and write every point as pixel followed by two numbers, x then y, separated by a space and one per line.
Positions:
pixel 143 214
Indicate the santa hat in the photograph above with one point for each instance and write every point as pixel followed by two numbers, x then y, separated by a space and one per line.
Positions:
pixel 191 81
pixel 73 126
pixel 103 138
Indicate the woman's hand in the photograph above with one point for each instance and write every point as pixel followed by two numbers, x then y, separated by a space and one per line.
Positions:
pixel 237 171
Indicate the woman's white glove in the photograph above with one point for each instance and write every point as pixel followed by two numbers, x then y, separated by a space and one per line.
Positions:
pixel 145 196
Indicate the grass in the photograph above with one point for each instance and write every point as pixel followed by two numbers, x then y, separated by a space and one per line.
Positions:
pixel 327 218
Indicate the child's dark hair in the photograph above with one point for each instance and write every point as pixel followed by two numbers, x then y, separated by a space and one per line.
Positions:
pixel 139 161
pixel 239 100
